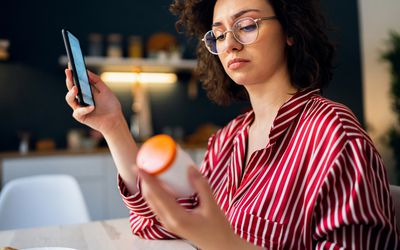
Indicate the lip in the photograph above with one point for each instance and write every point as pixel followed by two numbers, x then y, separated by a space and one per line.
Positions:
pixel 236 63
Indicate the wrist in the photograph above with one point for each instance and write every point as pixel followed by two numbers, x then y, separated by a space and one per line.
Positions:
pixel 117 124
pixel 123 150
pixel 237 243
pixel 231 241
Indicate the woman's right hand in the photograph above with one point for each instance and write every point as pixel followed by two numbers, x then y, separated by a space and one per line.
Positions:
pixel 106 115
pixel 108 119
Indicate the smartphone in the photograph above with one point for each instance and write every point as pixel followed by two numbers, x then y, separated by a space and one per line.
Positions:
pixel 78 67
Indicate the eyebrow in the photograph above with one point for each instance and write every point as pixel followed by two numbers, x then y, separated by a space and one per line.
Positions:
pixel 237 15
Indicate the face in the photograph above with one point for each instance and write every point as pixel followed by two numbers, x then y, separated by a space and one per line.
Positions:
pixel 259 62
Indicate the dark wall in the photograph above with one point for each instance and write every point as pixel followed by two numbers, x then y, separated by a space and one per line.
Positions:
pixel 32 88
pixel 346 86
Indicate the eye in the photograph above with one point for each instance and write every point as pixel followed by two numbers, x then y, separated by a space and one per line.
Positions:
pixel 220 37
pixel 248 28
pixel 246 25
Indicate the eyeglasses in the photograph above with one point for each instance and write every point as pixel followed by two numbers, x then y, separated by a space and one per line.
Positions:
pixel 244 30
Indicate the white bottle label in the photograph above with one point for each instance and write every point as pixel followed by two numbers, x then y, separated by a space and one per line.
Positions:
pixel 176 177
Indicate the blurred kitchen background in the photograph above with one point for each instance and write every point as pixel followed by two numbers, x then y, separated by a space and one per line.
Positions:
pixel 38 134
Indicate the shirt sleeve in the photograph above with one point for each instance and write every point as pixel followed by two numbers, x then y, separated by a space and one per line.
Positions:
pixel 354 208
pixel 143 221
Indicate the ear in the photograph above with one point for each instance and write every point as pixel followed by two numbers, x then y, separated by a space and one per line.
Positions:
pixel 290 41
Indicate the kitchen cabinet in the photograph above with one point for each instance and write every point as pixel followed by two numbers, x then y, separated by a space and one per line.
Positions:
pixel 95 173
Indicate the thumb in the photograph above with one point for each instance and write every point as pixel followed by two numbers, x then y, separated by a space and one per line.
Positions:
pixel 201 186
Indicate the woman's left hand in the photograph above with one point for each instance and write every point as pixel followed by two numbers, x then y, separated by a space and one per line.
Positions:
pixel 205 226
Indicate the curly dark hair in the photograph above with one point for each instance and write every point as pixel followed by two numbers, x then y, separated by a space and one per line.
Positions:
pixel 309 59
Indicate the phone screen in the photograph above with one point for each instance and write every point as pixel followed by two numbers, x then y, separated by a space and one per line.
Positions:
pixel 79 70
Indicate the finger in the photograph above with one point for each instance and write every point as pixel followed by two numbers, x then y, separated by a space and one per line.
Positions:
pixel 80 113
pixel 70 97
pixel 68 79
pixel 96 82
pixel 200 184
pixel 161 202
pixel 93 78
pixel 95 87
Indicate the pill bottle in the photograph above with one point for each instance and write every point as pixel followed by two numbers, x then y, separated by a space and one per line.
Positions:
pixel 161 156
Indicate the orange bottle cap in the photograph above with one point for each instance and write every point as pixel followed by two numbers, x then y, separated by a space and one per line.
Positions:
pixel 157 154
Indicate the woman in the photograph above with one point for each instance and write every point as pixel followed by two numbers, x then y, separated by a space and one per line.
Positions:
pixel 296 172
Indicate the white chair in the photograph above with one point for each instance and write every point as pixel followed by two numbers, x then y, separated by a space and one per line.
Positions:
pixel 395 192
pixel 42 200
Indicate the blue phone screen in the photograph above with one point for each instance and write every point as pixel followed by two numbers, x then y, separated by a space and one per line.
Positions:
pixel 80 69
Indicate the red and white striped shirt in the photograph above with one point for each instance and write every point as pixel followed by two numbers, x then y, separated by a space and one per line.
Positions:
pixel 318 184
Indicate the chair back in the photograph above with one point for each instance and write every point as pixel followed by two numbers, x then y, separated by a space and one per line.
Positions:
pixel 395 192
pixel 42 200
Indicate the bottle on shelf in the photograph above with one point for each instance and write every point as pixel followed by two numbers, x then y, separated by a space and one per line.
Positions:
pixel 4 45
pixel 135 48
pixel 95 44
pixel 114 48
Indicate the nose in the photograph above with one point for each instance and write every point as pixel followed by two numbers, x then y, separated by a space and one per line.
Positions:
pixel 231 44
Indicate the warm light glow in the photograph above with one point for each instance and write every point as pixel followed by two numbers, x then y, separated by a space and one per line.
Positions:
pixel 157 77
pixel 130 77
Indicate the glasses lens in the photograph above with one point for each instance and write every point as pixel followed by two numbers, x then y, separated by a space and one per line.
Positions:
pixel 246 30
pixel 210 41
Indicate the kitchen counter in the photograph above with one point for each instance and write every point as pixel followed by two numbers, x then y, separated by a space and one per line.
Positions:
pixel 56 152
pixel 94 170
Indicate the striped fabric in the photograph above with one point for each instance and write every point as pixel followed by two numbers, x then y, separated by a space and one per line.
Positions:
pixel 318 184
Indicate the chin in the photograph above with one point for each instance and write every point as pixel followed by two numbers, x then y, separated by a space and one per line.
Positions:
pixel 241 79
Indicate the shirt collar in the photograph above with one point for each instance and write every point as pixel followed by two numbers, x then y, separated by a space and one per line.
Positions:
pixel 286 113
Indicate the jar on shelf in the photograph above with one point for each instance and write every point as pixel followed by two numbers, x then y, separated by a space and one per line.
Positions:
pixel 24 142
pixel 4 44
pixel 114 48
pixel 135 48
pixel 95 44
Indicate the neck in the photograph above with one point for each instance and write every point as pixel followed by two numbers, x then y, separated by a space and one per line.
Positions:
pixel 267 98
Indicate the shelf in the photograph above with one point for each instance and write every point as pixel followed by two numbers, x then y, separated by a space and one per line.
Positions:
pixel 136 64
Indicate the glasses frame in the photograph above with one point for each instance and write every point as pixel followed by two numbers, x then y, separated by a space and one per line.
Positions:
pixel 256 21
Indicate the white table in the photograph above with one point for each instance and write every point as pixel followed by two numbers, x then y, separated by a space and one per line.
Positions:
pixel 108 235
